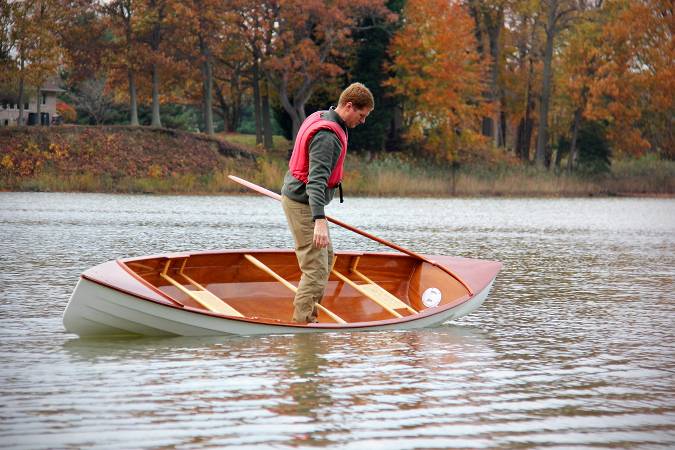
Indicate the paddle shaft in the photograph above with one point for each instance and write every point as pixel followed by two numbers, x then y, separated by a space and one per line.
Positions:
pixel 274 195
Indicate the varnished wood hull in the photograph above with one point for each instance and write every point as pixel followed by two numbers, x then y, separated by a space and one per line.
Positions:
pixel 152 296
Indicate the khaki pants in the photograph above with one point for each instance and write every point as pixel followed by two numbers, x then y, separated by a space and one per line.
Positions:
pixel 315 263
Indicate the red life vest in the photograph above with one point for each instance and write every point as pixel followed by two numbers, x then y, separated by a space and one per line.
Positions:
pixel 299 163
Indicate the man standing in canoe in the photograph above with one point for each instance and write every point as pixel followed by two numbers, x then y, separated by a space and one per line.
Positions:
pixel 315 171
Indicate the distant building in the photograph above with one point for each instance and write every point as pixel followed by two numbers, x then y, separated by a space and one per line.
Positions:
pixel 9 107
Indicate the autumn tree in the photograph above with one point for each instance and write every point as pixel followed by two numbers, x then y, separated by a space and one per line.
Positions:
pixel 520 74
pixel 6 39
pixel 558 14
pixel 7 45
pixel 154 21
pixel 91 96
pixel 17 48
pixel 636 77
pixel 31 52
pixel 370 67
pixel 580 61
pixel 201 22
pixel 124 49
pixel 255 24
pixel 313 39
pixel 489 16
pixel 44 50
pixel 83 34
pixel 230 72
pixel 440 74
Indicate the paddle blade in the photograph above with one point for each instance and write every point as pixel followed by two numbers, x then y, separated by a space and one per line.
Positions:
pixel 255 187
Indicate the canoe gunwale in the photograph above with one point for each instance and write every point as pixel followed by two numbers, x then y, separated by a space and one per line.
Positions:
pixel 166 300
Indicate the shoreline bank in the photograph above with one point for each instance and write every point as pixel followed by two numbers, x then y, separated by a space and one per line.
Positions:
pixel 127 160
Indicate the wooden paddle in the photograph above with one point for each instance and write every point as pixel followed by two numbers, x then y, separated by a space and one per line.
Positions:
pixel 274 195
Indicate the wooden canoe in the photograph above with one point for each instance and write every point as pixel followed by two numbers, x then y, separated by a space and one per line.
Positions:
pixel 249 292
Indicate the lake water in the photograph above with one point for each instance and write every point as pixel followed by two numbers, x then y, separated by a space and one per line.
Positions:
pixel 574 348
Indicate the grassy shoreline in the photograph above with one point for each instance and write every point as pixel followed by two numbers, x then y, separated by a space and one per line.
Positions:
pixel 139 160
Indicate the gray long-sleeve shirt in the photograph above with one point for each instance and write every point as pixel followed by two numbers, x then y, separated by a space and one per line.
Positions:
pixel 324 151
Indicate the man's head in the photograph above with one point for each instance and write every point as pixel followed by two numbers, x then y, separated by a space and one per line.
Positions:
pixel 354 105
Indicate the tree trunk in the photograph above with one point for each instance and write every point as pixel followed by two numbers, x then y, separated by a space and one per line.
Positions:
pixel 477 30
pixel 256 105
pixel 524 134
pixel 494 26
pixel 299 116
pixel 296 117
pixel 225 110
pixel 529 128
pixel 38 106
pixel 542 137
pixel 524 150
pixel 156 122
pixel 550 144
pixel 208 96
pixel 488 125
pixel 21 82
pixel 133 106
pixel 558 159
pixel 207 73
pixel 501 142
pixel 296 109
pixel 235 108
pixel 491 21
pixel 155 41
pixel 125 13
pixel 520 139
pixel 572 158
pixel 267 122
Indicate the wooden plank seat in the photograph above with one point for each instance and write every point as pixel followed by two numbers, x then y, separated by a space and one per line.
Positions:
pixel 202 295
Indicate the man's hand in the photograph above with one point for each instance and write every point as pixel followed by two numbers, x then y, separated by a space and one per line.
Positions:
pixel 321 238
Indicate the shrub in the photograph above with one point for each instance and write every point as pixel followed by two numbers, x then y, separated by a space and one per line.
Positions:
pixel 67 112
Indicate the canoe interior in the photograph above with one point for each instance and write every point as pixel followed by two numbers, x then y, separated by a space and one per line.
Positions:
pixel 254 293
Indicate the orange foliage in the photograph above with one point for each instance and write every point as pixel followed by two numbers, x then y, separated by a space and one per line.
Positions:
pixel 312 45
pixel 312 36
pixel 635 80
pixel 29 158
pixel 33 53
pixel 441 76
pixel 144 33
pixel 111 152
pixel 67 112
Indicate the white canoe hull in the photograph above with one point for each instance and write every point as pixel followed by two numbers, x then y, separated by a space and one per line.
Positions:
pixel 97 310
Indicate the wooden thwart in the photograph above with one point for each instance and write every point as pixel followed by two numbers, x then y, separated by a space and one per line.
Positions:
pixel 260 265
pixel 373 292
pixel 391 299
pixel 202 296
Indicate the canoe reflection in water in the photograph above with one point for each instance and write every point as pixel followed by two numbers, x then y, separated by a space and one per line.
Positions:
pixel 303 388
pixel 332 373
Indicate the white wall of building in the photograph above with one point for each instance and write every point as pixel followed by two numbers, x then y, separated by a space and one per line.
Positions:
pixel 9 113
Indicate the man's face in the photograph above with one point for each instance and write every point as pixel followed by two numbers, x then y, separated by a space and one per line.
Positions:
pixel 354 116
